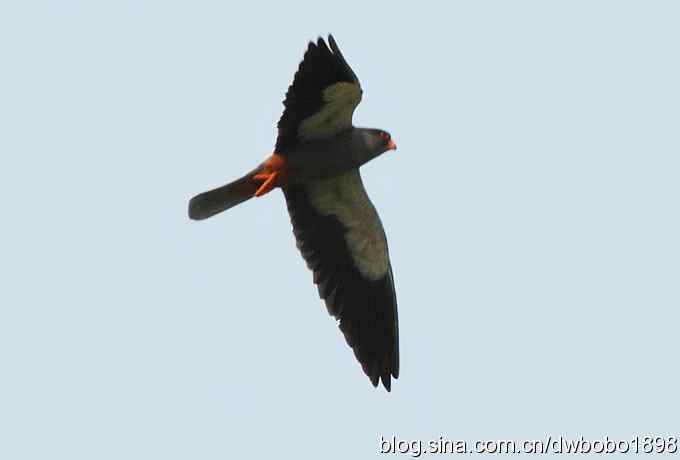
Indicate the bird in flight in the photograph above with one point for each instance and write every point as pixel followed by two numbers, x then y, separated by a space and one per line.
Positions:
pixel 316 163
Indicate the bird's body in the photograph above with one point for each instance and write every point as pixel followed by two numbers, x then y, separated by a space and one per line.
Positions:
pixel 316 163
pixel 342 153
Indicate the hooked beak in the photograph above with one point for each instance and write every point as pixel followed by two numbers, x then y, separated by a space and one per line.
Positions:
pixel 391 145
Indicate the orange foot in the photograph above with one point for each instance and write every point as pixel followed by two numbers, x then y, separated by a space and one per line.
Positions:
pixel 268 183
pixel 270 174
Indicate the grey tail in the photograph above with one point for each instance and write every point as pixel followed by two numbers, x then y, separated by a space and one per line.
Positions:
pixel 214 201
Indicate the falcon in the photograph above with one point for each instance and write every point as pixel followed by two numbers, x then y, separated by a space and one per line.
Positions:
pixel 316 163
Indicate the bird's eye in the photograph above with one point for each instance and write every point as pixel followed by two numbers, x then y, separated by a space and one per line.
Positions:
pixel 385 136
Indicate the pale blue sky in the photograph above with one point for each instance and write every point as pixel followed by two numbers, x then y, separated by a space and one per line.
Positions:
pixel 531 210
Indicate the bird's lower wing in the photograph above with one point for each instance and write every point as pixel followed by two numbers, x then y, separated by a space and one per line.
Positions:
pixel 341 238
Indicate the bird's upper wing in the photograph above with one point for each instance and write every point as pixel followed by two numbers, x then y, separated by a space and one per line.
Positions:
pixel 320 102
pixel 341 238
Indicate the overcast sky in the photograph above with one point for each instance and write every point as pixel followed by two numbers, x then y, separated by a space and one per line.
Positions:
pixel 531 211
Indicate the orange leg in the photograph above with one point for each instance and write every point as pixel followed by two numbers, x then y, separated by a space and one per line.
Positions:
pixel 270 172
pixel 268 183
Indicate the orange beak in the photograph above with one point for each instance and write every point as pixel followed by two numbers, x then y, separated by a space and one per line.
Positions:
pixel 391 145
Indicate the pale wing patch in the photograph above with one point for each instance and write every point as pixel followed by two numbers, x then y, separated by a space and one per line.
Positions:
pixel 339 102
pixel 345 198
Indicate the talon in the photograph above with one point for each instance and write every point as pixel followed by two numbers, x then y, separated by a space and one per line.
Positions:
pixel 270 174
pixel 268 184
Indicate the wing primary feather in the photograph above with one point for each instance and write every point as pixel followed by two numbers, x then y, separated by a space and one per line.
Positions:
pixel 338 53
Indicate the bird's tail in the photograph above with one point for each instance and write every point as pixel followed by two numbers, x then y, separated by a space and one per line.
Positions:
pixel 214 201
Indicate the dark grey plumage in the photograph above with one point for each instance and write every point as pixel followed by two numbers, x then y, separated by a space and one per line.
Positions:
pixel 337 229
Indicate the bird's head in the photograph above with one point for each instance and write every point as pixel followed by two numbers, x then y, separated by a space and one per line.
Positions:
pixel 379 142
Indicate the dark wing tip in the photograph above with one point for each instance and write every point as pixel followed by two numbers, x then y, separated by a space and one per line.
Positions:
pixel 387 383
pixel 321 45
pixel 374 379
pixel 336 51
pixel 334 45
pixel 387 375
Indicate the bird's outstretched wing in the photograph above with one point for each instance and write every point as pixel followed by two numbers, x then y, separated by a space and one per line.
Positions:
pixel 321 100
pixel 341 238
